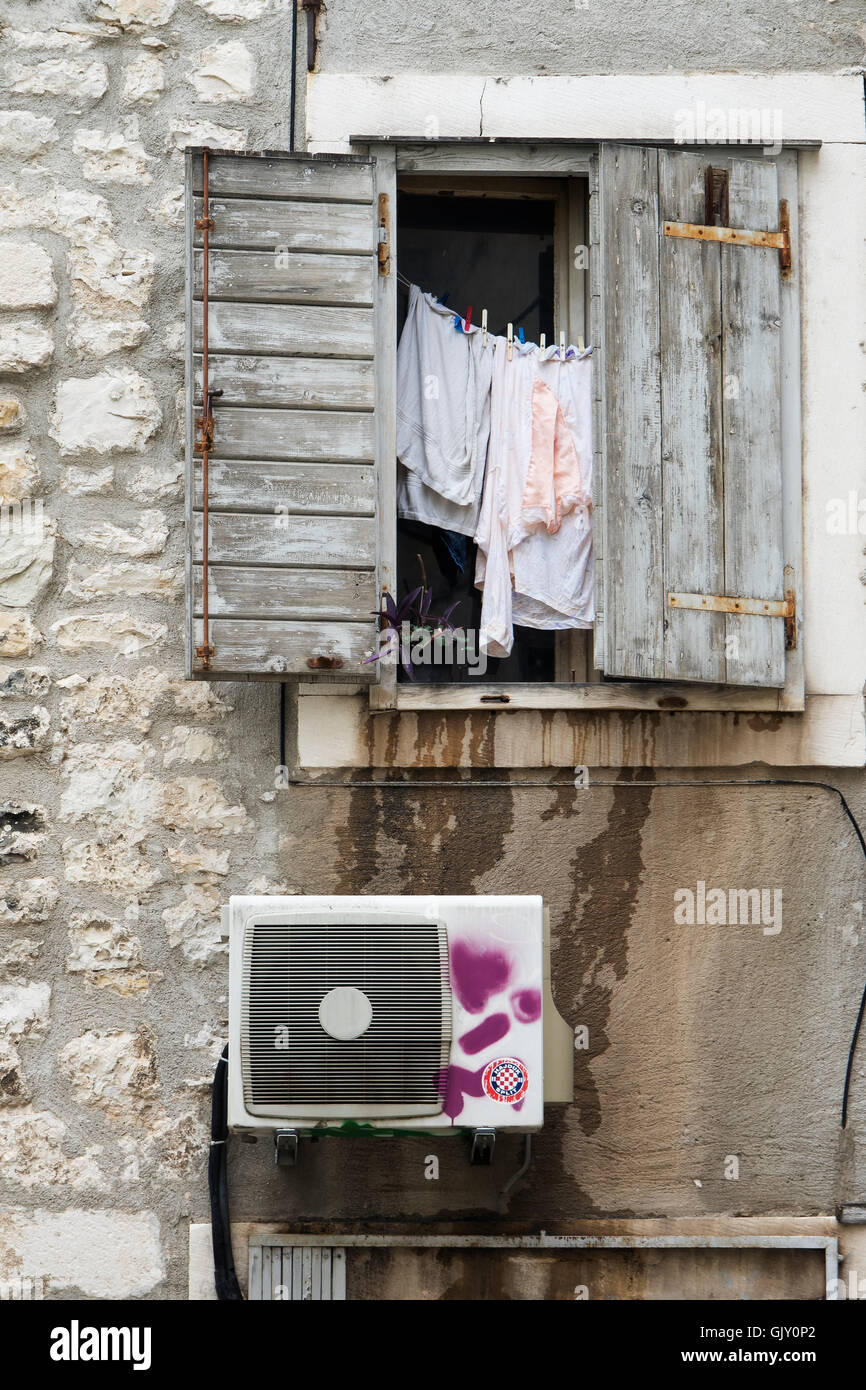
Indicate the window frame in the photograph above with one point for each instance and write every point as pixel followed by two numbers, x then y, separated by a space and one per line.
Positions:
pixel 521 159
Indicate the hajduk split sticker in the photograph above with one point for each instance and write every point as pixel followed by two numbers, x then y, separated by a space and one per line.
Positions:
pixel 505 1079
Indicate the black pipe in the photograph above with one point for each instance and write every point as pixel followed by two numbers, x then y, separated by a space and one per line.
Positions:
pixel 294 61
pixel 224 1276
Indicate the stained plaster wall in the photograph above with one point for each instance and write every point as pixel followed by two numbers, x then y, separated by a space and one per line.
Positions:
pixel 136 802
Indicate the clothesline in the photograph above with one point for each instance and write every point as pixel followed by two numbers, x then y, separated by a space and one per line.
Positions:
pixel 508 332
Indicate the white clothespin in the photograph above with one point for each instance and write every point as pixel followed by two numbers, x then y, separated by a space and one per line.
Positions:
pixel 562 347
pixel 510 341
pixel 484 328
pixel 580 346
pixel 542 342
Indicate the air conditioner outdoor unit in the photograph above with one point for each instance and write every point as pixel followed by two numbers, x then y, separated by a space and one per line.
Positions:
pixel 392 1014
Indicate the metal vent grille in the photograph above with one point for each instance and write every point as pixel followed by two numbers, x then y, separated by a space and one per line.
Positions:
pixel 291 1066
pixel 296 1273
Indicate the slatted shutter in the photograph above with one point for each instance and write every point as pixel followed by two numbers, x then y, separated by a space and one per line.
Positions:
pixel 692 573
pixel 294 296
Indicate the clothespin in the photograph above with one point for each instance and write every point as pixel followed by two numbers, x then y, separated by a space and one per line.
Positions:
pixel 484 328
pixel 468 320
pixel 542 342
pixel 521 335
pixel 458 324
pixel 580 346
pixel 510 341
pixel 562 347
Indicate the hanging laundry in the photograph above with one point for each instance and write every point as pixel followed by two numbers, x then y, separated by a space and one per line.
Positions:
pixel 534 534
pixel 443 417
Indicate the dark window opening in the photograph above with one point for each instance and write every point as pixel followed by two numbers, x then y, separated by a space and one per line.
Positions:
pixel 498 254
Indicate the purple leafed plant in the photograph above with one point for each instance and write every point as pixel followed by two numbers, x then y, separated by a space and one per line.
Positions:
pixel 424 627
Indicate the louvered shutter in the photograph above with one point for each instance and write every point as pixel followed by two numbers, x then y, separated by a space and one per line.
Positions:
pixel 690 430
pixel 294 295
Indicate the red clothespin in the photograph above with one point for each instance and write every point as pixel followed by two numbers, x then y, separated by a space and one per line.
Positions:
pixel 468 320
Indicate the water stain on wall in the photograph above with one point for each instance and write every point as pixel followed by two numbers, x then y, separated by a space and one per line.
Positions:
pixel 592 951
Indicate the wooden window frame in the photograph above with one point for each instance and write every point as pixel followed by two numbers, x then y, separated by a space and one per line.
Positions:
pixel 447 159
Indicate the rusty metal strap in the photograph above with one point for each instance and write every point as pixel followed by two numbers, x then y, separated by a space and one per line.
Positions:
pixel 205 421
pixel 723 603
pixel 734 236
pixel 739 236
pixel 753 607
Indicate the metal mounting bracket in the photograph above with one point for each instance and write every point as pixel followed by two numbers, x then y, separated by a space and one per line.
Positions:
pixel 286 1148
pixel 483 1143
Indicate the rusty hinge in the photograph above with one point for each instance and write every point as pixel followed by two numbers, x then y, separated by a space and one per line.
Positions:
pixel 736 236
pixel 754 607
pixel 205 424
pixel 384 235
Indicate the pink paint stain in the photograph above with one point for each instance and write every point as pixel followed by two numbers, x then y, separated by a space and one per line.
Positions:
pixel 477 973
pixel 526 1004
pixel 486 1033
pixel 453 1083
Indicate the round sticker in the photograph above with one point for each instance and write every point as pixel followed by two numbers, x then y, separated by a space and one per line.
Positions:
pixel 505 1079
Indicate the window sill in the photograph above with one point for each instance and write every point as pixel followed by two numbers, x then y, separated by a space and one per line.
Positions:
pixel 607 695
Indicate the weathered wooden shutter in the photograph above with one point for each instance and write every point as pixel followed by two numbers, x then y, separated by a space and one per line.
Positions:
pixel 690 518
pixel 294 293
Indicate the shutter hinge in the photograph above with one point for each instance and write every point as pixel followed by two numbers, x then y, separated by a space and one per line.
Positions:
pixel 736 236
pixel 753 607
pixel 205 425
pixel 384 235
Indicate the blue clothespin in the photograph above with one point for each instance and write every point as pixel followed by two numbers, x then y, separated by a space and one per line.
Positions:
pixel 521 335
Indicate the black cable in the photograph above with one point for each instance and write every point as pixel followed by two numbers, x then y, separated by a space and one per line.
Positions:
pixel 224 1276
pixel 282 750
pixel 554 785
pixel 294 61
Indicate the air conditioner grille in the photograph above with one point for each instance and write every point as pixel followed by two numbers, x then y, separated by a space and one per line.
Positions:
pixel 288 1059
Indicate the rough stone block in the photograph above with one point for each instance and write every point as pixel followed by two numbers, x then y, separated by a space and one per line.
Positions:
pixel 113 412
pixel 118 633
pixel 226 72
pixel 26 276
pixel 23 134
pixel 111 158
pixel 24 346
pixel 19 636
pixel 82 78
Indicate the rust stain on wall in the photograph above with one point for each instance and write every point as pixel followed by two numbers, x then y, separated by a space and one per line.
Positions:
pixel 405 839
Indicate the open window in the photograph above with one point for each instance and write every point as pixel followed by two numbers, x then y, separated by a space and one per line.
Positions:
pixel 671 263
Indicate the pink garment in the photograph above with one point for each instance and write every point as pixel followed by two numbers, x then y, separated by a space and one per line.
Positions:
pixel 553 480
pixel 534 532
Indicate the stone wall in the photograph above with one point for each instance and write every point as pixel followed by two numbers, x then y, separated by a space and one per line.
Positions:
pixel 128 808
